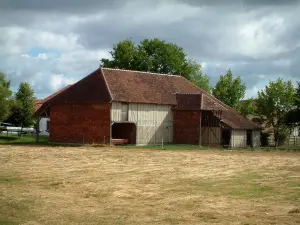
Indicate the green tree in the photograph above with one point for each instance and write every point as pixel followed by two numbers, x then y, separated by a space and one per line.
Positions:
pixel 292 118
pixel 23 107
pixel 195 75
pixel 230 90
pixel 5 97
pixel 246 107
pixel 273 104
pixel 154 55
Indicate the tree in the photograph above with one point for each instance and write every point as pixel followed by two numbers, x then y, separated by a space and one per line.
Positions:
pixel 156 56
pixel 246 107
pixel 273 104
pixel 23 107
pixel 230 90
pixel 195 75
pixel 5 97
pixel 292 118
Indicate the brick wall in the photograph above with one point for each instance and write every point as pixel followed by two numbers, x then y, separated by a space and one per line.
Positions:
pixel 186 127
pixel 78 123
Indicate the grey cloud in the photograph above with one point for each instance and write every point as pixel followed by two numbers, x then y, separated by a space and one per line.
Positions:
pixel 67 6
pixel 204 36
pixel 241 3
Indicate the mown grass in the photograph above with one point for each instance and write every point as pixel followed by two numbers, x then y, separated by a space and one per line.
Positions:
pixel 23 140
pixel 90 185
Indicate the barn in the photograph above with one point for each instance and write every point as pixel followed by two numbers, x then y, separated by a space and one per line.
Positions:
pixel 143 108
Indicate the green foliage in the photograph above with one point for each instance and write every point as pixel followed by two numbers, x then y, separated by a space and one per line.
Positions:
pixel 5 97
pixel 230 90
pixel 195 75
pixel 273 104
pixel 246 107
pixel 281 135
pixel 264 138
pixel 23 107
pixel 154 55
pixel 297 96
pixel 293 116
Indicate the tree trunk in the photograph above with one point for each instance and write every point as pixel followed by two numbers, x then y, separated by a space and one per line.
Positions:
pixel 275 137
pixel 20 133
pixel 37 130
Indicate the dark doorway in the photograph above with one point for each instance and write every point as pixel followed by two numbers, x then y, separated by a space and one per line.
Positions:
pixel 226 136
pixel 249 138
pixel 124 131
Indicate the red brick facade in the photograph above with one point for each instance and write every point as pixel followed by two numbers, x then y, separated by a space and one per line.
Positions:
pixel 186 127
pixel 80 123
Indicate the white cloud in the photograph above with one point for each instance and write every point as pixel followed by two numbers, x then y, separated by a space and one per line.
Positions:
pixel 43 56
pixel 257 38
pixel 58 81
pixel 261 75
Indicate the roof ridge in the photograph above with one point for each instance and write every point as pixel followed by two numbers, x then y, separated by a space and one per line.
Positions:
pixel 144 72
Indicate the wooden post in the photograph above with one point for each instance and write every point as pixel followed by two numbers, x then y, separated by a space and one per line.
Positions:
pixel 37 130
pixel 200 129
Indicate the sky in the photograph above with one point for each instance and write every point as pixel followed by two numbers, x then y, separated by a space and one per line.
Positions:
pixel 51 44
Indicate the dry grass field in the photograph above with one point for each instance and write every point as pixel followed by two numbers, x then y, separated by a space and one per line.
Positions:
pixel 90 185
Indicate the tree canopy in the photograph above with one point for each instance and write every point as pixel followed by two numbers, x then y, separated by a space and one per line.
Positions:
pixel 273 104
pixel 246 107
pixel 23 107
pixel 5 97
pixel 154 55
pixel 230 90
pixel 293 116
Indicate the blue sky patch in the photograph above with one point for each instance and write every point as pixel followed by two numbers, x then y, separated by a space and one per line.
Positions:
pixel 34 52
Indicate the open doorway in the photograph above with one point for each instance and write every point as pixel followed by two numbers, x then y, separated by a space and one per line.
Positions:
pixel 124 132
pixel 226 136
pixel 249 138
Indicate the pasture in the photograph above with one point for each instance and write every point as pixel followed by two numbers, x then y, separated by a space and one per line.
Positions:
pixel 110 185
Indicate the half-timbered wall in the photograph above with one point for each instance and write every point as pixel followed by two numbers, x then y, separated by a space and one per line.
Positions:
pixel 154 123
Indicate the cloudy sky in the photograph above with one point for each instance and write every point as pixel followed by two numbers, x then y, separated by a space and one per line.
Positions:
pixel 54 43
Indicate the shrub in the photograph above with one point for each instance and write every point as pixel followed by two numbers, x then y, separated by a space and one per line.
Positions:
pixel 264 138
pixel 281 136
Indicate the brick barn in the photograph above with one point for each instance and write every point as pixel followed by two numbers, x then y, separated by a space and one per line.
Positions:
pixel 143 108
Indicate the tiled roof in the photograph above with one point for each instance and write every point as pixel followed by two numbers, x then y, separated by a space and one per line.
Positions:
pixel 143 87
pixel 40 104
pixel 237 121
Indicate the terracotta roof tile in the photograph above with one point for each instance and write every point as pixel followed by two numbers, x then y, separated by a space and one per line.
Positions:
pixel 38 103
pixel 143 87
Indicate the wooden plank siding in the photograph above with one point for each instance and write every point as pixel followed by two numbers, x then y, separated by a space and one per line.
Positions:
pixel 153 122
pixel 238 138
pixel 256 138
pixel 211 136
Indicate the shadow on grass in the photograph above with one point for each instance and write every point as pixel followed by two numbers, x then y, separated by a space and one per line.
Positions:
pixel 27 140
pixel 23 140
